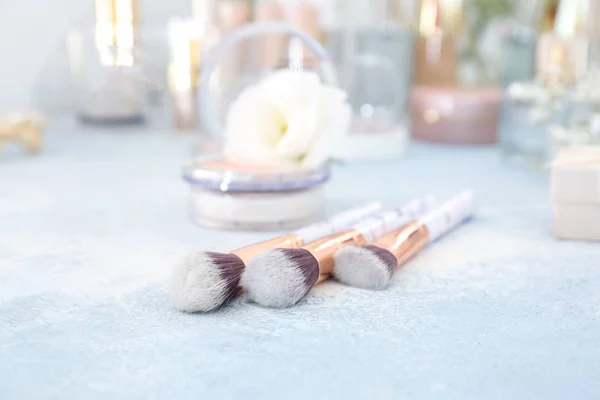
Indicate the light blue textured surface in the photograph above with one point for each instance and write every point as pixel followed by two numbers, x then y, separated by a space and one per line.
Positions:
pixel 89 230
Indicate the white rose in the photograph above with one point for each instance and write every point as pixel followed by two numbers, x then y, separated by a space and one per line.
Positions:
pixel 289 119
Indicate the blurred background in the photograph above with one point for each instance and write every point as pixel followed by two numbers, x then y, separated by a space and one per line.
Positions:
pixel 463 72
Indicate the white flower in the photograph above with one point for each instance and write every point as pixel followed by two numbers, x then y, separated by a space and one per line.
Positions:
pixel 289 119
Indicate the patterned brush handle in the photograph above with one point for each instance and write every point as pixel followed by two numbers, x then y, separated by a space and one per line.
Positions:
pixel 449 214
pixel 338 222
pixel 389 221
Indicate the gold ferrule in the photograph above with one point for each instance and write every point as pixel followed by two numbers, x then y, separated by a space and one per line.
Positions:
pixel 405 242
pixel 247 253
pixel 324 249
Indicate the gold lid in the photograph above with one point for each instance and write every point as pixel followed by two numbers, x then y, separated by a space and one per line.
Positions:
pixel 440 17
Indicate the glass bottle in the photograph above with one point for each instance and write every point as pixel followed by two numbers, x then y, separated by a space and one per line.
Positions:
pixel 532 110
pixel 456 98
pixel 521 43
pixel 582 114
pixel 540 116
pixel 372 49
pixel 107 77
pixel 437 51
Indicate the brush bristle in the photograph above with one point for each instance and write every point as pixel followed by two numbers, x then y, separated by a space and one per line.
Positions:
pixel 280 278
pixel 205 281
pixel 367 267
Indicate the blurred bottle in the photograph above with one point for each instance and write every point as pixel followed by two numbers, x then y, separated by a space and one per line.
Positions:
pixel 437 51
pixel 582 103
pixel 371 44
pixel 107 74
pixel 185 42
pixel 271 48
pixel 532 109
pixel 455 100
pixel 230 15
pixel 570 25
pixel 521 43
pixel 559 107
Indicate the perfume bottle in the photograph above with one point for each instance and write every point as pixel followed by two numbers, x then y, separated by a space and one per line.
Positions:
pixel 270 47
pixel 373 54
pixel 230 15
pixel 437 52
pixel 532 111
pixel 183 72
pixel 540 116
pixel 570 25
pixel 304 15
pixel 451 102
pixel 110 88
pixel 520 55
pixel 581 126
pixel 521 43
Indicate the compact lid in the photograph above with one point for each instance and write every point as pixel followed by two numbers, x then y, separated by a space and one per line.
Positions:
pixel 217 173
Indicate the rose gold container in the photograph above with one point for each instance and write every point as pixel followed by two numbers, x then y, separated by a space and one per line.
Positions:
pixel 458 115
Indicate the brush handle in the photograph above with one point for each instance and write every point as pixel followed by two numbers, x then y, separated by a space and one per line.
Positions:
pixel 418 207
pixel 449 215
pixel 388 221
pixel 338 222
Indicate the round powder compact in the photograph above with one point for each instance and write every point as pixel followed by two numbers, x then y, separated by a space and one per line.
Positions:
pixel 227 195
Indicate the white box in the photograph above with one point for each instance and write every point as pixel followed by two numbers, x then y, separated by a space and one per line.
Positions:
pixel 575 193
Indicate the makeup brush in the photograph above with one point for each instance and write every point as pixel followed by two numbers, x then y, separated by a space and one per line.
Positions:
pixel 205 281
pixel 372 266
pixel 280 278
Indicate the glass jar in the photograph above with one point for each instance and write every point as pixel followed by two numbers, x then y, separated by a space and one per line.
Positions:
pixel 372 51
pixel 102 84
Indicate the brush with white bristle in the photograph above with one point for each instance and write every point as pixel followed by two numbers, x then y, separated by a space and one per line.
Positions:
pixel 280 278
pixel 372 266
pixel 205 281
